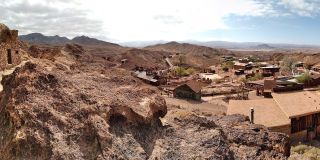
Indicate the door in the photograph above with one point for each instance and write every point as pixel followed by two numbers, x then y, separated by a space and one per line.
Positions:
pixel 9 56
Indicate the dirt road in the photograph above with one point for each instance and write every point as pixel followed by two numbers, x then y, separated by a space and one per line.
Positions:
pixel 204 107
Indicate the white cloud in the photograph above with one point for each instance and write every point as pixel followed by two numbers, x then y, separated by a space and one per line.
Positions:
pixel 129 20
pixel 302 7
pixel 168 19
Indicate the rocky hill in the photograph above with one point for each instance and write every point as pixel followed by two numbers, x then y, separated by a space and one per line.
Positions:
pixel 186 48
pixel 75 106
pixel 144 58
pixel 195 56
pixel 85 40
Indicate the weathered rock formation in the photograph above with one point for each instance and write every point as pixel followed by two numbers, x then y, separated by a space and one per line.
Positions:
pixel 80 108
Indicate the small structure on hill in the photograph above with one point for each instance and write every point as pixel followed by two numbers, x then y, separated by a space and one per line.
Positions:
pixel 270 70
pixel 149 76
pixel 299 64
pixel 316 68
pixel 314 81
pixel 123 61
pixel 268 86
pixel 243 66
pixel 228 58
pixel 210 69
pixel 9 48
pixel 209 76
pixel 190 90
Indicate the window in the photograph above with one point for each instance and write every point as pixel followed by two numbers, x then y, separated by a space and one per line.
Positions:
pixel 9 56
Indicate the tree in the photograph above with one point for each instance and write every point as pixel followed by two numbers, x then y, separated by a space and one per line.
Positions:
pixel 288 64
pixel 180 71
pixel 307 62
pixel 182 59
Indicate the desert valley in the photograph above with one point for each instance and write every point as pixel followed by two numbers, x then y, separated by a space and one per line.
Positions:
pixel 84 98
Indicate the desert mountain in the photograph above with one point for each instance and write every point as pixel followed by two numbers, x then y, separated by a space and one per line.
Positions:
pixel 90 41
pixel 38 38
pixel 222 44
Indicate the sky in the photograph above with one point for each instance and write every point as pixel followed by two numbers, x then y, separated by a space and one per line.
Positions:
pixel 270 21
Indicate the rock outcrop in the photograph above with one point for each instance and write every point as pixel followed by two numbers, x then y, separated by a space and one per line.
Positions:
pixel 89 111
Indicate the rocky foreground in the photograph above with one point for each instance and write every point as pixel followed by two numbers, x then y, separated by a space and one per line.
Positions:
pixel 72 107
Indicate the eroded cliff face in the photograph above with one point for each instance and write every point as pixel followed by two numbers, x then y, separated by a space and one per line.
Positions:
pixel 49 110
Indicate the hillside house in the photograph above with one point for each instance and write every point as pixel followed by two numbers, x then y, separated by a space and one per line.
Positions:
pixel 190 90
pixel 316 68
pixel 243 66
pixel 228 58
pixel 9 48
pixel 270 70
pixel 294 113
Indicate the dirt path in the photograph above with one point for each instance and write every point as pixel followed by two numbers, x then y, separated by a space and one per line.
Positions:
pixel 197 106
pixel 7 72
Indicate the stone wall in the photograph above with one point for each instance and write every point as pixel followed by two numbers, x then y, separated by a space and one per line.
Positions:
pixel 286 129
pixel 15 55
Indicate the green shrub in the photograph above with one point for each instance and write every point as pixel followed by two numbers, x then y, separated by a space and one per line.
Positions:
pixel 217 81
pixel 313 153
pixel 300 149
pixel 243 80
pixel 304 77
pixel 180 71
pixel 257 76
pixel 228 64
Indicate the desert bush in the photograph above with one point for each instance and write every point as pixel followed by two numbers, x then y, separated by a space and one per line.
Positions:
pixel 243 80
pixel 288 64
pixel 306 152
pixel 300 149
pixel 313 153
pixel 257 76
pixel 180 71
pixel 217 81
pixel 228 64
pixel 304 77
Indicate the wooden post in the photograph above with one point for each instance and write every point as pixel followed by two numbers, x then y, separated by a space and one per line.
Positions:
pixel 252 115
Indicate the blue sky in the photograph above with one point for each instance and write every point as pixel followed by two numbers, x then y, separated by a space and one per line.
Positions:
pixel 273 21
pixel 291 29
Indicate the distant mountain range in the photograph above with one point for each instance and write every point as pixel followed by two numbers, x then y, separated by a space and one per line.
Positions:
pixel 39 38
pixel 57 40
pixel 225 44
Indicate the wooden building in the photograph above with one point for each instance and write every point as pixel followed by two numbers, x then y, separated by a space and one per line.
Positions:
pixel 270 70
pixel 294 113
pixel 242 66
pixel 314 81
pixel 268 86
pixel 190 90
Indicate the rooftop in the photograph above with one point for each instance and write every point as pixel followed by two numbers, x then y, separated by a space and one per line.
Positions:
pixel 279 110
pixel 266 111
pixel 143 75
pixel 270 67
pixel 297 104
pixel 194 85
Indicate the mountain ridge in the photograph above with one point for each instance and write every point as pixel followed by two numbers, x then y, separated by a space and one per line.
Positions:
pixel 58 40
